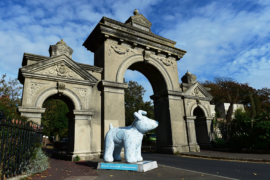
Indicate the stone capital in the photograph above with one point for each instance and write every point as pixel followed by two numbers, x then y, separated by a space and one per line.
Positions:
pixel 190 118
pixel 174 95
pixel 83 114
pixel 113 84
pixel 36 110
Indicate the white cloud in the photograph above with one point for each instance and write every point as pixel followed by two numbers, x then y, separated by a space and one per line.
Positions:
pixel 216 35
pixel 220 39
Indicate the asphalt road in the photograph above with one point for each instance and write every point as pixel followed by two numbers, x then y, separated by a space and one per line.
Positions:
pixel 230 169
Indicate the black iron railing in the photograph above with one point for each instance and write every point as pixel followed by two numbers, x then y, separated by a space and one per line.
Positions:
pixel 18 140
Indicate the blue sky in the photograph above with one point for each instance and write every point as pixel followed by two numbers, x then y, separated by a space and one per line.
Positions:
pixel 222 38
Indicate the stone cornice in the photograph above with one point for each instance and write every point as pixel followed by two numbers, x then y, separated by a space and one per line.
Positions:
pixel 90 68
pixel 113 29
pixel 38 58
pixel 56 78
pixel 30 70
pixel 136 31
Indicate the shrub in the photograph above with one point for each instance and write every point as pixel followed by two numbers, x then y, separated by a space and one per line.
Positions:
pixel 38 163
pixel 77 158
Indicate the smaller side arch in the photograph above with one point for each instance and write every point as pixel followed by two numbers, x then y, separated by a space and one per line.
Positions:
pixel 201 106
pixel 52 91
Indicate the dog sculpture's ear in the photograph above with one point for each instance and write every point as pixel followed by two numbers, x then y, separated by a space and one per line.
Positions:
pixel 142 112
pixel 138 116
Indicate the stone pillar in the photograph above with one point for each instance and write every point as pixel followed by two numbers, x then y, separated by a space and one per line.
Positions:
pixel 209 129
pixel 193 146
pixel 113 106
pixel 171 131
pixel 33 113
pixel 82 135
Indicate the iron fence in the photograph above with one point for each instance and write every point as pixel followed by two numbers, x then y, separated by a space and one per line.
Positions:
pixel 18 140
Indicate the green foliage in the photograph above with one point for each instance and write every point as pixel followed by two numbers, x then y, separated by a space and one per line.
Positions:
pixel 54 119
pixel 219 143
pixel 38 163
pixel 77 158
pixel 134 102
pixel 245 132
pixel 10 97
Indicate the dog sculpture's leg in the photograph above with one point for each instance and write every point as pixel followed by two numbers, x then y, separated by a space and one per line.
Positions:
pixel 130 150
pixel 109 147
pixel 138 153
pixel 117 153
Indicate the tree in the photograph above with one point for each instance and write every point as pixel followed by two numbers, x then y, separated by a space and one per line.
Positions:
pixel 134 102
pixel 54 119
pixel 222 85
pixel 10 97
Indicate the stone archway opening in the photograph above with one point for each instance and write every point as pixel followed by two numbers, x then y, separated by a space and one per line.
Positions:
pixel 201 128
pixel 66 144
pixel 159 85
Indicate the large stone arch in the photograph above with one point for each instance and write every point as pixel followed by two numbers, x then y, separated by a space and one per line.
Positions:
pixel 139 58
pixel 52 91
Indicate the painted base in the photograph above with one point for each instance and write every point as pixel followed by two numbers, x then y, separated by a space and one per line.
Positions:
pixel 139 166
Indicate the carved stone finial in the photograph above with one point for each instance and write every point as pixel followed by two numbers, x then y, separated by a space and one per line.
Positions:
pixel 189 78
pixel 60 48
pixel 136 12
pixel 188 73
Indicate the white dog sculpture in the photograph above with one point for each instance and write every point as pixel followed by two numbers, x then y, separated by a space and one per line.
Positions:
pixel 128 137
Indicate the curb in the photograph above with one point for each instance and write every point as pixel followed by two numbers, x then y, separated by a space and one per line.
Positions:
pixel 227 158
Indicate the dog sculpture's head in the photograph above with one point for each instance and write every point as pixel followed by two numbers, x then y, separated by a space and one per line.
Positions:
pixel 143 123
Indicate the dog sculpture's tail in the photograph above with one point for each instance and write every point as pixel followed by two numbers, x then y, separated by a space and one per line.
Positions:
pixel 110 126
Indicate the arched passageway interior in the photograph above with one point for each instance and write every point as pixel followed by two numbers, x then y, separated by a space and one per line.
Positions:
pixel 158 84
pixel 69 146
pixel 201 127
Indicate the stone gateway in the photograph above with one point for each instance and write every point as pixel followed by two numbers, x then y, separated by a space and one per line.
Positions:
pixel 95 94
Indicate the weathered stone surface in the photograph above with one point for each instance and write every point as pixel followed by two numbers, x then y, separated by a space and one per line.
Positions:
pixel 95 94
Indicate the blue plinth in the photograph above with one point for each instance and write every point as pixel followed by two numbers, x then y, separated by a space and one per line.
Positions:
pixel 142 166
pixel 128 167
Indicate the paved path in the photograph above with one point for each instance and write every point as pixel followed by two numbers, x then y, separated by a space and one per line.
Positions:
pixel 67 170
pixel 231 169
pixel 170 167
pixel 162 172
pixel 230 156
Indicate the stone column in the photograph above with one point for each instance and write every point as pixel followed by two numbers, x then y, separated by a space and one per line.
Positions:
pixel 113 106
pixel 171 131
pixel 33 113
pixel 193 146
pixel 209 125
pixel 82 135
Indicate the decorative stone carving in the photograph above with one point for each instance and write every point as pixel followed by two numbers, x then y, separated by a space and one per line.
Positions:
pixel 197 92
pixel 165 61
pixel 83 94
pixel 146 56
pixel 34 87
pixel 128 137
pixel 60 70
pixel 61 87
pixel 120 51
